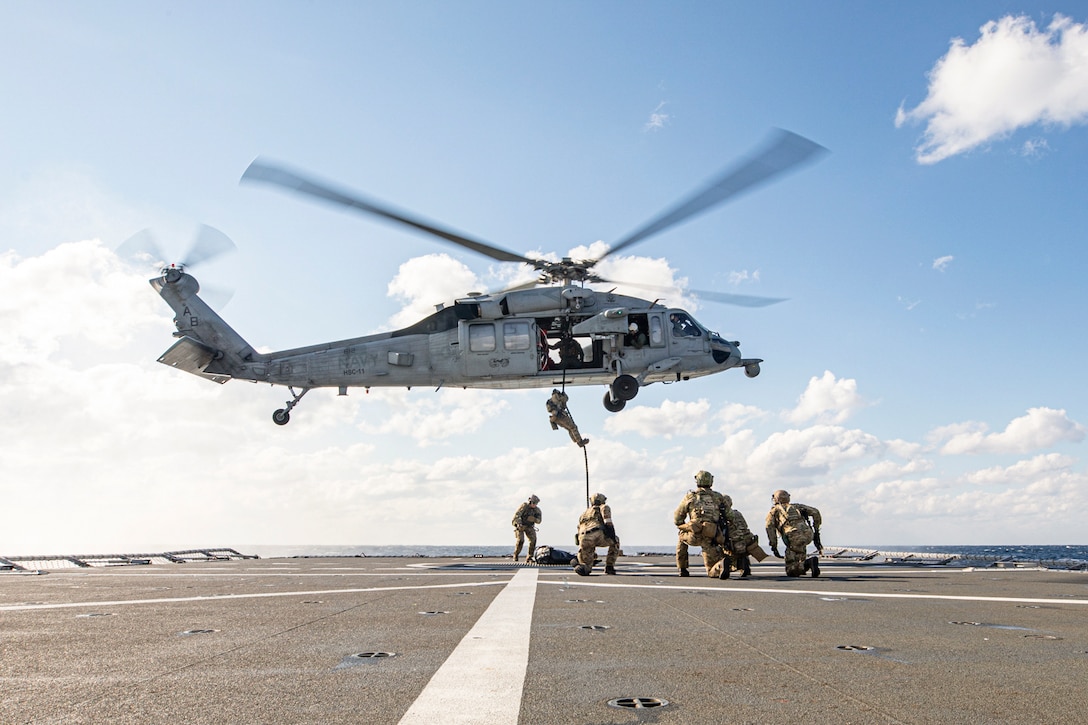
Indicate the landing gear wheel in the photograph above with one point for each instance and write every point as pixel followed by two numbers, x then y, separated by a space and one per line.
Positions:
pixel 613 406
pixel 283 415
pixel 625 387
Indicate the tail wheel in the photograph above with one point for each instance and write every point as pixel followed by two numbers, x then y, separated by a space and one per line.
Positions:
pixel 625 387
pixel 613 406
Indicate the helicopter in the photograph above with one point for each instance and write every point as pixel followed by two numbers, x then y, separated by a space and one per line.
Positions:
pixel 553 331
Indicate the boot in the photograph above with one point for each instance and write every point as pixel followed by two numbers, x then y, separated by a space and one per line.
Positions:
pixel 609 569
pixel 684 572
pixel 746 567
pixel 814 566
pixel 725 571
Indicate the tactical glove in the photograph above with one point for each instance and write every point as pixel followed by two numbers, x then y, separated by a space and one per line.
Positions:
pixel 816 540
pixel 610 532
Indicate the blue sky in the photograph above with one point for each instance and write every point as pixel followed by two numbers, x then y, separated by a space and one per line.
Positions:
pixel 924 383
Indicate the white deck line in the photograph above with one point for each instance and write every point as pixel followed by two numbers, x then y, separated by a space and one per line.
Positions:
pixel 480 683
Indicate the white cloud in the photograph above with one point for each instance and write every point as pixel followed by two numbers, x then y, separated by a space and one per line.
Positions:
pixel 77 292
pixel 826 399
pixel 1035 147
pixel 1022 473
pixel 436 417
pixel 811 451
pixel 941 263
pixel 658 118
pixel 1014 76
pixel 886 470
pixel 423 282
pixel 641 277
pixel 736 278
pixel 907 303
pixel 670 419
pixel 1040 428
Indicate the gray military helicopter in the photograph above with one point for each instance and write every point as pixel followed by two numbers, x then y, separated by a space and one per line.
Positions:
pixel 554 331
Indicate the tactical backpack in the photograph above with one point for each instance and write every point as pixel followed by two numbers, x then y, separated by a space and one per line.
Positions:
pixel 795 527
pixel 705 506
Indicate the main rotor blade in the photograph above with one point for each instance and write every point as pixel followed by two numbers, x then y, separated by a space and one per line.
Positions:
pixel 786 150
pixel 209 243
pixel 725 298
pixel 278 176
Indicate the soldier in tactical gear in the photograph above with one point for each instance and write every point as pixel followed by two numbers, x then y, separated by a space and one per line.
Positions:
pixel 742 540
pixel 595 529
pixel 571 354
pixel 525 520
pixel 701 519
pixel 560 417
pixel 791 520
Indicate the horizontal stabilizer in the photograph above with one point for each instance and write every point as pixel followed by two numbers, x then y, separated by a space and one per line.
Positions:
pixel 193 357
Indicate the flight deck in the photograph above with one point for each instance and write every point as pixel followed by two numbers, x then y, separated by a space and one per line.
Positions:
pixel 483 640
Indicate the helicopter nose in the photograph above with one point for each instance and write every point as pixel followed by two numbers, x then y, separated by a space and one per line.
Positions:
pixel 725 353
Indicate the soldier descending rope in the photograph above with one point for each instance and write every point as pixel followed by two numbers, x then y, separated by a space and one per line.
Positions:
pixel 560 417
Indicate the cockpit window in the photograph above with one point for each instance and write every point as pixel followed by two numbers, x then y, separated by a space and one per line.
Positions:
pixel 683 326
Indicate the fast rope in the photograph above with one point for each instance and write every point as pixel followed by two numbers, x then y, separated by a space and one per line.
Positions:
pixel 561 417
pixel 585 453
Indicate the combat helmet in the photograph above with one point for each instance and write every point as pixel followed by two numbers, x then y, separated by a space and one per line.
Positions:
pixel 704 479
pixel 780 496
pixel 727 500
pixel 598 499
pixel 534 499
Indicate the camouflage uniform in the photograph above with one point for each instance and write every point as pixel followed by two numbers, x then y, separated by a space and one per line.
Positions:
pixel 740 538
pixel 524 521
pixel 595 529
pixel 560 417
pixel 791 521
pixel 700 518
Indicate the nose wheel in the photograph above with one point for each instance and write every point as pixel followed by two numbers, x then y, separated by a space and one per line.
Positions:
pixel 283 415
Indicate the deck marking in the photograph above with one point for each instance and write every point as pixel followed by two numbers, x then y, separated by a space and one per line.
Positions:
pixel 480 683
pixel 227 597
pixel 827 592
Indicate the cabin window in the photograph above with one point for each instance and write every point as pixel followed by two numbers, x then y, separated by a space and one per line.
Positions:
pixel 657 334
pixel 515 335
pixel 481 338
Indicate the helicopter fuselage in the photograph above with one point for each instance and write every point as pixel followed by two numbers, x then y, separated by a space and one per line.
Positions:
pixel 537 338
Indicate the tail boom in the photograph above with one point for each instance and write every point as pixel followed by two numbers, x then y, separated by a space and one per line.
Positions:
pixel 208 347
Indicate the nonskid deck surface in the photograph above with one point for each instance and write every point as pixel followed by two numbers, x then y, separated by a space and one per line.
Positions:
pixel 389 640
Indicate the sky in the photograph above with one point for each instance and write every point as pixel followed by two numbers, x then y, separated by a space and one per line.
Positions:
pixel 923 383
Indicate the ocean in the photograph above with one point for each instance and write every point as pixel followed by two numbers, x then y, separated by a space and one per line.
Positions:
pixel 1065 556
